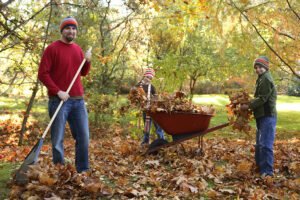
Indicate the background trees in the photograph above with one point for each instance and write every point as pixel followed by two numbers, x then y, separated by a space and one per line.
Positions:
pixel 196 46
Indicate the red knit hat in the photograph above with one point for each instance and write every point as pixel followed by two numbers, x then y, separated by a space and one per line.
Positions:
pixel 262 61
pixel 68 21
pixel 149 72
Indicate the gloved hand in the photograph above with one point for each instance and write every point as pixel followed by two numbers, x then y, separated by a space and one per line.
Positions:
pixel 63 95
pixel 88 55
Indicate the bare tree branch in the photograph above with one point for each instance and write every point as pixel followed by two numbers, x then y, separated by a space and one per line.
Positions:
pixel 118 38
pixel 123 21
pixel 12 31
pixel 264 40
pixel 297 15
pixel 277 31
pixel 4 5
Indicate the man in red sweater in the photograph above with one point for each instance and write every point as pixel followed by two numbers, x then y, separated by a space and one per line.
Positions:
pixel 58 66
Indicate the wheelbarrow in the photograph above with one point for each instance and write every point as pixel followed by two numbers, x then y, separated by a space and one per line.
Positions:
pixel 181 126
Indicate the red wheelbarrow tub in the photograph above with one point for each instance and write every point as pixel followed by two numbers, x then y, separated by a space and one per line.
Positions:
pixel 180 123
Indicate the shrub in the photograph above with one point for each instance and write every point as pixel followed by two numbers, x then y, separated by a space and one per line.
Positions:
pixel 294 88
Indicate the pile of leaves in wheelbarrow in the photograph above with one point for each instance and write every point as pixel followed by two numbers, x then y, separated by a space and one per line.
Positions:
pixel 238 118
pixel 177 102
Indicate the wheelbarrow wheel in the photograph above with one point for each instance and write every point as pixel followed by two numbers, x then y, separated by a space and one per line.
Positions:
pixel 157 143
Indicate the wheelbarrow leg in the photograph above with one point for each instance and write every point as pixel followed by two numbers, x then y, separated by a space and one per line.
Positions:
pixel 202 146
pixel 179 141
pixel 200 150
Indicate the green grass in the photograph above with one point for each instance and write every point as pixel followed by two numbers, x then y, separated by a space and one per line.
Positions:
pixel 18 104
pixel 288 124
pixel 288 121
pixel 5 173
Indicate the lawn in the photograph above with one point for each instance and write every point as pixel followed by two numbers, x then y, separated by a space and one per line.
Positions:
pixel 288 122
pixel 288 108
pixel 5 173
pixel 288 125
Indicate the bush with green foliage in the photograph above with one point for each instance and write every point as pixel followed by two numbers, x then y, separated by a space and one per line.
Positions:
pixel 294 88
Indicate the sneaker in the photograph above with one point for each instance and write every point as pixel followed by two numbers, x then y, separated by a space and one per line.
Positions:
pixel 265 175
pixel 267 179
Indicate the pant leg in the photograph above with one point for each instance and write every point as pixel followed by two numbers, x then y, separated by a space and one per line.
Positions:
pixel 146 131
pixel 257 142
pixel 159 131
pixel 78 121
pixel 58 128
pixel 266 142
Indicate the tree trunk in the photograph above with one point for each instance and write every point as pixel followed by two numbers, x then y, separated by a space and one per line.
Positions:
pixel 193 81
pixel 26 115
pixel 35 89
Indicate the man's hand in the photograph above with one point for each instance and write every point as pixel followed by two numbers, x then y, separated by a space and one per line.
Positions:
pixel 244 107
pixel 63 95
pixel 88 56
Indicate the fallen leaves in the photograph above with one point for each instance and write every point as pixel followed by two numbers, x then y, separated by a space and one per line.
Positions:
pixel 10 132
pixel 46 179
pixel 154 163
pixel 119 171
pixel 238 118
pixel 244 167
pixel 182 183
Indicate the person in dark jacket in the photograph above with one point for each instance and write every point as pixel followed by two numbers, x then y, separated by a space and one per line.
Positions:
pixel 150 93
pixel 264 109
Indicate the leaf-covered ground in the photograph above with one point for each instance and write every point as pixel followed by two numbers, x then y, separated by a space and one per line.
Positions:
pixel 119 170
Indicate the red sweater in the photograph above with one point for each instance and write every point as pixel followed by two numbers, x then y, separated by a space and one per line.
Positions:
pixel 59 65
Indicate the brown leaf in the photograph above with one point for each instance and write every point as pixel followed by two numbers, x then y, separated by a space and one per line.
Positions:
pixel 131 193
pixel 212 194
pixel 93 187
pixel 227 191
pixel 180 179
pixel 53 197
pixel 295 167
pixel 244 167
pixel 152 163
pixel 46 180
pixel 38 188
pixel 16 191
pixel 190 188
pixel 35 197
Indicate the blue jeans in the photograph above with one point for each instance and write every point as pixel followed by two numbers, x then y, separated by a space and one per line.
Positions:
pixel 73 111
pixel 158 130
pixel 265 135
